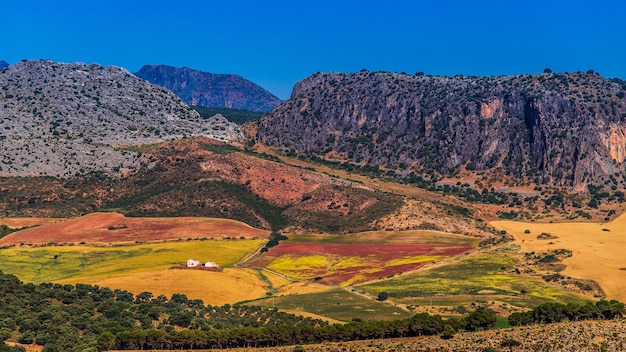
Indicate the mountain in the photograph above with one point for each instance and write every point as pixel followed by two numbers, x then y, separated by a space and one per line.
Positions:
pixel 3 64
pixel 63 119
pixel 199 88
pixel 559 129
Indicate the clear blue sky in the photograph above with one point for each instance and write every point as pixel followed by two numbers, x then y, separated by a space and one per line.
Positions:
pixel 277 43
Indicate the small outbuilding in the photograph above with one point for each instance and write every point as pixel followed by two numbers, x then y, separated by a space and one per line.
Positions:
pixel 192 263
pixel 210 264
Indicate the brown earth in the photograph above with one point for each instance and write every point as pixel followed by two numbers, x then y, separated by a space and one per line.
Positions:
pixel 17 223
pixel 116 228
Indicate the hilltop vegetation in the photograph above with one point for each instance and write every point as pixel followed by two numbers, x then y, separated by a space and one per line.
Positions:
pixel 237 116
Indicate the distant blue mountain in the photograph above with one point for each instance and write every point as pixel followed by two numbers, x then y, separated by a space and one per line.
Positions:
pixel 3 64
pixel 206 89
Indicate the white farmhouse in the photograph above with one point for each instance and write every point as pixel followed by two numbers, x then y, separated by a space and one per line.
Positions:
pixel 192 263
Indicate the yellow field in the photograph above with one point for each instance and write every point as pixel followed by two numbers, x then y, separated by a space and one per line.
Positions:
pixel 141 268
pixel 597 249
pixel 216 288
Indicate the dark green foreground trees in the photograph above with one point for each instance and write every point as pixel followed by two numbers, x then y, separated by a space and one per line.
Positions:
pixel 91 318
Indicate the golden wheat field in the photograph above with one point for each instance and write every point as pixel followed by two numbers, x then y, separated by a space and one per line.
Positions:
pixel 597 249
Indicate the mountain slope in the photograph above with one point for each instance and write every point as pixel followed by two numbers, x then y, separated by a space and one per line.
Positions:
pixel 204 177
pixel 210 89
pixel 558 129
pixel 60 119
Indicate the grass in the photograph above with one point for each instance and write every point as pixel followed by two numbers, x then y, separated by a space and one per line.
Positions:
pixel 485 275
pixel 49 264
pixel 406 237
pixel 337 304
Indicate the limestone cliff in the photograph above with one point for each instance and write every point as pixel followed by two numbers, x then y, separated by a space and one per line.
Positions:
pixel 559 129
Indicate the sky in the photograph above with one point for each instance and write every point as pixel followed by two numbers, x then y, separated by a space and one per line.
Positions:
pixel 276 43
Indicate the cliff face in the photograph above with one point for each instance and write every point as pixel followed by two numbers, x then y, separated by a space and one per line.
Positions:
pixel 559 129
pixel 60 119
pixel 199 88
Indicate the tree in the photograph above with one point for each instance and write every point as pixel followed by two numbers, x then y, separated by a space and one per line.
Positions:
pixel 547 70
pixel 382 296
pixel 480 319
pixel 448 332
pixel 106 341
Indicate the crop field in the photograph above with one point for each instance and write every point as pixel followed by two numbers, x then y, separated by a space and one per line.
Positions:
pixel 116 228
pixel 139 268
pixel 390 237
pixel 597 249
pixel 337 304
pixel 351 259
pixel 484 275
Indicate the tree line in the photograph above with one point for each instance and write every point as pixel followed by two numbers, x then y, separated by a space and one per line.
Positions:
pixel 558 312
pixel 422 324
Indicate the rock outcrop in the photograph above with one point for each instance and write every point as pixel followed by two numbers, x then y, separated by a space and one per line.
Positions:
pixel 62 119
pixel 199 88
pixel 559 129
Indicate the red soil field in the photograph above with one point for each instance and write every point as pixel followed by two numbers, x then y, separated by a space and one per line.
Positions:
pixel 373 258
pixel 116 228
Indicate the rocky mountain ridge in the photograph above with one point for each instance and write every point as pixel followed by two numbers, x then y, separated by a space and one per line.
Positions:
pixel 206 89
pixel 62 119
pixel 558 129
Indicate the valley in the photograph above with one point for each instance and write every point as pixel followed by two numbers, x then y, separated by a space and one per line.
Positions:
pixel 349 204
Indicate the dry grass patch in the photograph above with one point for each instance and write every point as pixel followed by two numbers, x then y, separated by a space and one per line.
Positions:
pixel 597 254
pixel 216 288
pixel 300 288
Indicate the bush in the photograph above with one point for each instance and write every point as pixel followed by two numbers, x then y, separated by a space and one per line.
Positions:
pixel 382 296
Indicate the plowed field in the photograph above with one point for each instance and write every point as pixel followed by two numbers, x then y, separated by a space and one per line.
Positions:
pixel 116 228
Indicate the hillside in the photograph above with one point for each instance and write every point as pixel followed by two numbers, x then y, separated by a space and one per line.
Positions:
pixel 204 177
pixel 61 119
pixel 210 89
pixel 555 129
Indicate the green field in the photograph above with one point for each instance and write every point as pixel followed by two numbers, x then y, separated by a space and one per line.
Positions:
pixel 53 263
pixel 337 304
pixel 485 275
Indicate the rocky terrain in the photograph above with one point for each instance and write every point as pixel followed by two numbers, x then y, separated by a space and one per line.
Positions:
pixel 199 88
pixel 559 129
pixel 575 336
pixel 62 119
pixel 3 64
